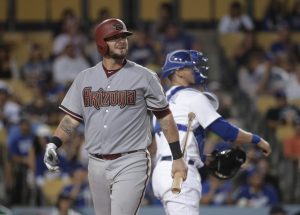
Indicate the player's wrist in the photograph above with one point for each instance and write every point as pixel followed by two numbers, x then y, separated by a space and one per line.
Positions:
pixel 255 139
pixel 175 150
pixel 56 141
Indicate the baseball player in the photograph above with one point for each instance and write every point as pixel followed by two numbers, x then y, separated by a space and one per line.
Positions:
pixel 113 100
pixel 185 68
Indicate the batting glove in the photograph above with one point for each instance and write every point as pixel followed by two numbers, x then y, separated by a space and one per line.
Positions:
pixel 51 158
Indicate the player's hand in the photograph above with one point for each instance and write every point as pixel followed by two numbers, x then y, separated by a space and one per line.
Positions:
pixel 179 168
pixel 51 158
pixel 265 147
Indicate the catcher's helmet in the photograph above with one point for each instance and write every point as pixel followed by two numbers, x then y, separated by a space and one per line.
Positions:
pixel 226 163
pixel 106 29
pixel 180 59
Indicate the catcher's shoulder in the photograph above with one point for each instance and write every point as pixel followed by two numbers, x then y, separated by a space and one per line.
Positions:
pixel 192 93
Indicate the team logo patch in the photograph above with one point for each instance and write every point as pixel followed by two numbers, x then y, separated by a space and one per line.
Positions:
pixel 118 26
pixel 101 98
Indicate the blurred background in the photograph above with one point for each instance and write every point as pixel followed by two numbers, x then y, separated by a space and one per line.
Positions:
pixel 253 48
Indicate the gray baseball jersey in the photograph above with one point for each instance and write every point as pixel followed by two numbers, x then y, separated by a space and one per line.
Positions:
pixel 114 109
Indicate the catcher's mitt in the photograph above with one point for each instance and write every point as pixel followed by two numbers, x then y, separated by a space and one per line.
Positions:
pixel 225 164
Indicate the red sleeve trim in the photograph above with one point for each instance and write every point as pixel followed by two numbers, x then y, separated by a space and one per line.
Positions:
pixel 158 109
pixel 71 113
pixel 161 114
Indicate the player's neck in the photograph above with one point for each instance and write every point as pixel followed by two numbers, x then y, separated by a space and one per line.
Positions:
pixel 180 82
pixel 113 64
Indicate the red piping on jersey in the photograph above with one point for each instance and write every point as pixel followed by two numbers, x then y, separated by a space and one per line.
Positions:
pixel 71 113
pixel 158 109
pixel 113 71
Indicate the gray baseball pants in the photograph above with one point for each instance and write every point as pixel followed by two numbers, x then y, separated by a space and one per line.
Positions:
pixel 118 186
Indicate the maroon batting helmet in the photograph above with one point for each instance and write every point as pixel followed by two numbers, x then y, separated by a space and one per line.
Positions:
pixel 106 29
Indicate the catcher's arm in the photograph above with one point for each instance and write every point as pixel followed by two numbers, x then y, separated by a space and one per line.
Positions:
pixel 247 137
pixel 231 133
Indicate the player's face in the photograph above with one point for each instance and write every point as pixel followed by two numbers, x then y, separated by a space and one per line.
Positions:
pixel 188 76
pixel 118 46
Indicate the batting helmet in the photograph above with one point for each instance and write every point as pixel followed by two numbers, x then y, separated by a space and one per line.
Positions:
pixel 180 59
pixel 107 29
pixel 226 163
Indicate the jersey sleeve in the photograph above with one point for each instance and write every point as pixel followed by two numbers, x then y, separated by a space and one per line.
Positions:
pixel 205 112
pixel 71 103
pixel 155 95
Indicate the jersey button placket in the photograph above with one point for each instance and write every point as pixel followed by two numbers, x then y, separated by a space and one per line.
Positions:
pixel 105 125
pixel 108 88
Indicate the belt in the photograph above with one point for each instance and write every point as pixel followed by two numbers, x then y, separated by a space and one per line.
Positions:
pixel 169 158
pixel 112 156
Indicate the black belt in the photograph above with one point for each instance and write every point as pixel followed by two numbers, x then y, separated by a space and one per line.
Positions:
pixel 112 156
pixel 169 158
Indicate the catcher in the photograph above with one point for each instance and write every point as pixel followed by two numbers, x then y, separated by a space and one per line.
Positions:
pixel 185 69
